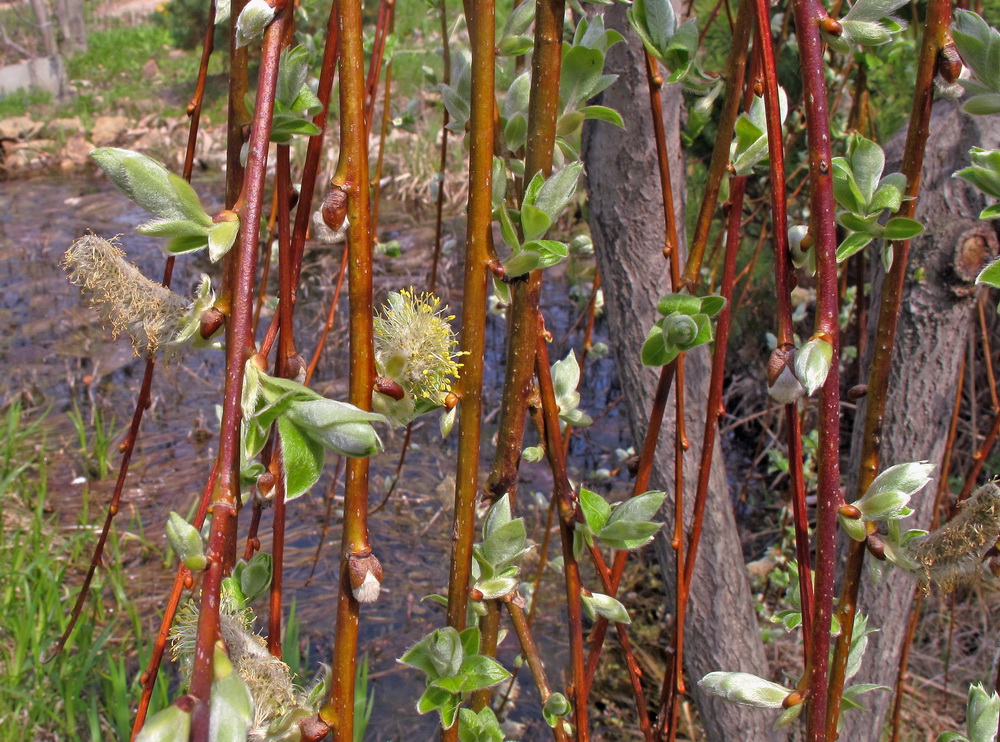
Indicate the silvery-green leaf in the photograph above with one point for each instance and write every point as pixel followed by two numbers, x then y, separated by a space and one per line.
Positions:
pixel 982 715
pixel 867 162
pixel 812 363
pixel 566 375
pixel 448 421
pixel 744 689
pixel 521 263
pixel 642 507
pixel 891 490
pixel 595 509
pixel 655 351
pixel 222 9
pixel 516 100
pixel 231 709
pixel 255 576
pixel 497 587
pixel 445 651
pixel 865 33
pixel 859 643
pixel 499 184
pixel 902 228
pixel 171 228
pixel 254 18
pixel 151 185
pixel 789 715
pixel 558 190
pixel 889 194
pixel 982 105
pixel 498 515
pixel 855 527
pixel 221 238
pixel 990 275
pixel 533 453
pixel 338 426
pixel 581 76
pixel 169 725
pixel 984 173
pixel 303 458
pixel 598 604
pixel 185 540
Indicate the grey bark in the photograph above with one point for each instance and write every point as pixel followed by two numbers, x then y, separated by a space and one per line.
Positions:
pixel 74 31
pixel 931 339
pixel 45 27
pixel 626 221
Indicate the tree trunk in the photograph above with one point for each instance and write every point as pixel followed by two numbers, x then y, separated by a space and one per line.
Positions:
pixel 45 27
pixel 74 31
pixel 626 220
pixel 931 340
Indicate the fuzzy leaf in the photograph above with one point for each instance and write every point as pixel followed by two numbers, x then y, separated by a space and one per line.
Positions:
pixel 605 606
pixel 744 689
pixel 303 458
pixel 812 363
pixel 595 509
pixel 221 238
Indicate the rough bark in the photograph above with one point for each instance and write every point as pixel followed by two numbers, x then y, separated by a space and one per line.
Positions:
pixel 627 225
pixel 931 339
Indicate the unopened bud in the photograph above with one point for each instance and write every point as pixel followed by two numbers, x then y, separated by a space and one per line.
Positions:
pixel 850 511
pixel 782 384
pixel 265 483
pixel 792 699
pixel 389 387
pixel 365 571
pixel 875 546
pixel 831 26
pixel 857 392
pixel 259 362
pixel 632 465
pixel 949 63
pixel 211 321
pixel 313 729
pixel 335 209
pixel 450 400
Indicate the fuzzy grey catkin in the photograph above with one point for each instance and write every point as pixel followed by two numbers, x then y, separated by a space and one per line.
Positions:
pixel 952 554
pixel 130 303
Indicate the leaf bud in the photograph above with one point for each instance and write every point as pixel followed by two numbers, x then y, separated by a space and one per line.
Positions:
pixel 210 322
pixel 850 511
pixel 185 540
pixel 254 18
pixel 335 208
pixel 831 26
pixel 313 729
pixel 450 400
pixel 680 329
pixel 949 63
pixel 782 384
pixel 265 483
pixel 856 392
pixel 793 699
pixel 365 571
pixel 389 387
pixel 875 546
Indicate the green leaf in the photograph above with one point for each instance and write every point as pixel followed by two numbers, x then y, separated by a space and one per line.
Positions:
pixel 890 492
pixel 231 712
pixel 990 275
pixel 169 725
pixel 852 244
pixel 221 238
pixel 151 185
pixel 556 192
pixel 505 544
pixel 982 714
pixel 479 671
pixel 845 189
pixel 855 223
pixel 497 516
pixel 902 228
pixel 712 305
pixel 682 303
pixel 605 606
pixel 990 212
pixel 255 576
pixel 556 708
pixel 628 534
pixel 595 509
pixel 507 231
pixel 642 507
pixel 171 228
pixel 516 100
pixel 534 222
pixel 744 689
pixel 812 363
pixel 499 184
pixel 855 528
pixel 581 75
pixel 303 458
pixel 185 540
pixel 338 426
pixel 433 698
pixel 521 262
pixel 603 113
pixel 655 351
pixel 889 194
pixel 186 243
pixel 520 18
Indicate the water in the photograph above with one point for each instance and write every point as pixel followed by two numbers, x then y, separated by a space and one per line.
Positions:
pixel 56 354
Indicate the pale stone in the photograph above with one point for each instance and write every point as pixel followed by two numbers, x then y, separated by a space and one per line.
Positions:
pixel 107 130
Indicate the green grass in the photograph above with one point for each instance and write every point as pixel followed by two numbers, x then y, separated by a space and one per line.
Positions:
pixel 86 692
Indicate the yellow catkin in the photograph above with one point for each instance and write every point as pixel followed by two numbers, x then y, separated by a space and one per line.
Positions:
pixel 415 345
pixel 952 554
pixel 127 301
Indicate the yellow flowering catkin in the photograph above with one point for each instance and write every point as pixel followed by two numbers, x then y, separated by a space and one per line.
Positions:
pixel 130 303
pixel 952 554
pixel 415 345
